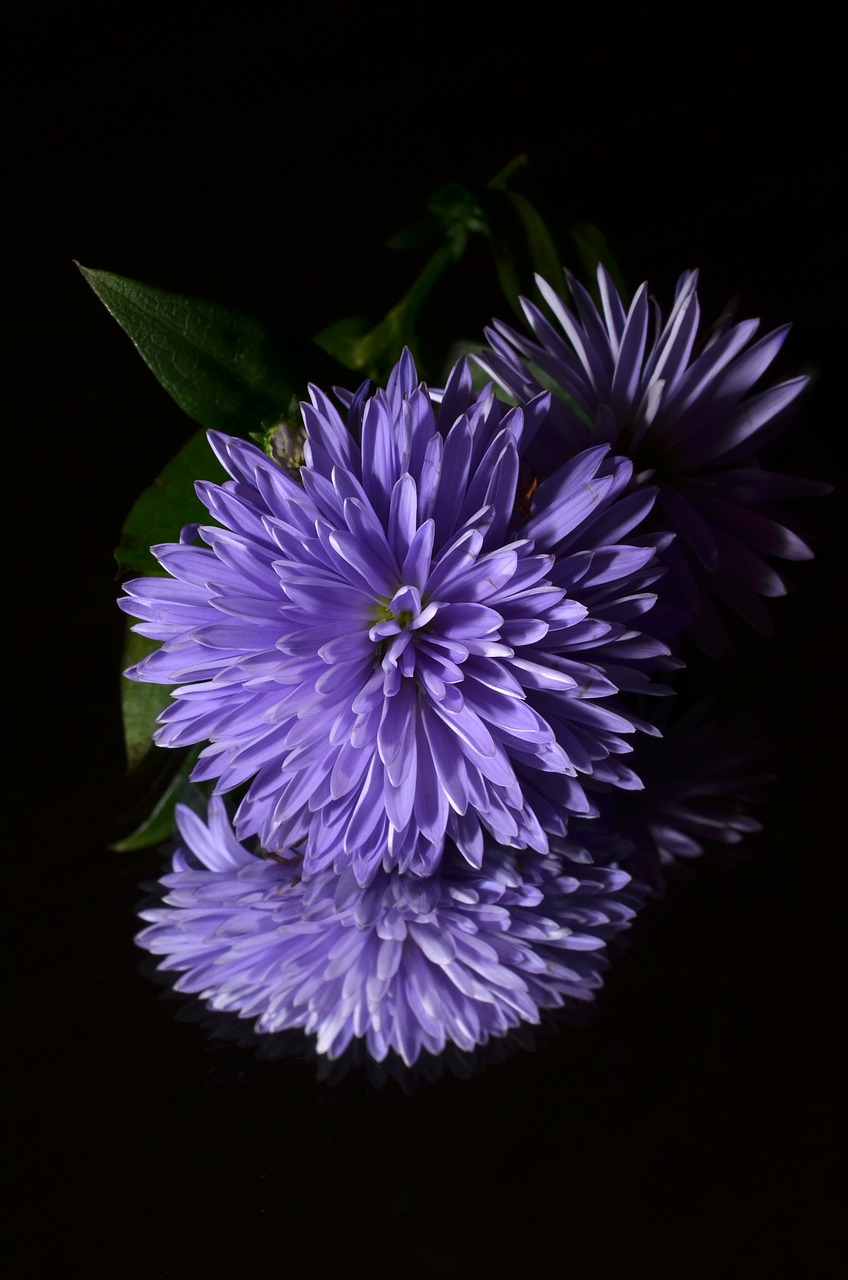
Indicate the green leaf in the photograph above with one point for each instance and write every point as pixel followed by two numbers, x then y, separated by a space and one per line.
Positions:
pixel 340 340
pixel 375 352
pixel 521 242
pixel 165 506
pixel 542 252
pixel 594 248
pixel 522 245
pixel 460 350
pixel 157 779
pixel 141 703
pixel 457 209
pixel 159 825
pixel 452 212
pixel 422 234
pixel 228 371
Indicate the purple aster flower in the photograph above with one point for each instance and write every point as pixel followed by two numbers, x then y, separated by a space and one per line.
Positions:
pixel 679 403
pixel 401 649
pixel 405 964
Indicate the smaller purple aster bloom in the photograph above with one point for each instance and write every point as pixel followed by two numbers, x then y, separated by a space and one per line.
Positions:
pixel 404 649
pixel 680 403
pixel 406 965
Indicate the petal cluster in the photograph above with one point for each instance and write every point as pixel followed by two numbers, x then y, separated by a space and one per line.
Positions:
pixel 680 402
pixel 405 964
pixel 406 646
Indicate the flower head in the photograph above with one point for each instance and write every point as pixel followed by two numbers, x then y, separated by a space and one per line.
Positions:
pixel 406 964
pixel 677 402
pixel 394 652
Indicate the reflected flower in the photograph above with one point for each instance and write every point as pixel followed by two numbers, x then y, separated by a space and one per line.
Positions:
pixel 406 965
pixel 703 781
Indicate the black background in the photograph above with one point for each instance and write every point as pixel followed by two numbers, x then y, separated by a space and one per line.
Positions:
pixel 690 1128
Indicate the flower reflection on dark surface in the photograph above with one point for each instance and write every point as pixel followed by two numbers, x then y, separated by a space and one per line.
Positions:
pixel 410 966
pixel 227 1029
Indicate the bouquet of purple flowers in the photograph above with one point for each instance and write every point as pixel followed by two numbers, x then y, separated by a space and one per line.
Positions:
pixel 419 644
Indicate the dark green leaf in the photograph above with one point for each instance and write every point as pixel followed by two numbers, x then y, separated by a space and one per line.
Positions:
pixel 542 252
pixel 157 779
pixel 521 243
pixel 594 248
pixel 227 370
pixel 519 236
pixel 140 703
pixel 167 505
pixel 423 234
pixel 460 350
pixel 341 339
pixel 374 353
pixel 458 211
pixel 159 825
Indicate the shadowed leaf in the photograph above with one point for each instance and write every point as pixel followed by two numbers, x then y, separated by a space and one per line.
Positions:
pixel 141 703
pixel 165 506
pixel 159 825
pixel 228 371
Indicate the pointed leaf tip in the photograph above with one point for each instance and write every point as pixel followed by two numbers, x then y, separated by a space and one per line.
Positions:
pixel 225 369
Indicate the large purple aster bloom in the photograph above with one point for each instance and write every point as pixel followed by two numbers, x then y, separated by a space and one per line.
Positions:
pixel 678 402
pixel 401 649
pixel 406 964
